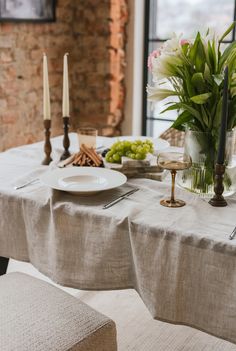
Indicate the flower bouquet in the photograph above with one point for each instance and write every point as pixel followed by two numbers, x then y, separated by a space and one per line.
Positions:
pixel 191 74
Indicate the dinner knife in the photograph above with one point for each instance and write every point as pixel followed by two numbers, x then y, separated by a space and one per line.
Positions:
pixel 232 235
pixel 122 197
pixel 26 184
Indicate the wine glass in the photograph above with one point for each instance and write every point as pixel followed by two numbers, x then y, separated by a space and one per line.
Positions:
pixel 173 161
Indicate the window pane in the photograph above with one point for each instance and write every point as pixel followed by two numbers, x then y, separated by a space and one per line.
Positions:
pixel 154 110
pixel 189 16
pixel 156 128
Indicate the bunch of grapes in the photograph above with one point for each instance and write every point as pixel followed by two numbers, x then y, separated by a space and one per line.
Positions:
pixel 137 150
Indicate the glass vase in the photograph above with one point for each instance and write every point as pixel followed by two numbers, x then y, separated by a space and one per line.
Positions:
pixel 202 148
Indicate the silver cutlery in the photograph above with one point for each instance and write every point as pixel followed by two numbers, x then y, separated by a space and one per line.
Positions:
pixel 122 197
pixel 26 184
pixel 99 148
pixel 232 235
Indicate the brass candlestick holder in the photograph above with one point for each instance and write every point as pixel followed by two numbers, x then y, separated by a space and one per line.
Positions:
pixel 66 140
pixel 47 145
pixel 218 200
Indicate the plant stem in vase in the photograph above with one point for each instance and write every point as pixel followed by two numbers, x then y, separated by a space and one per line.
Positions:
pixel 190 73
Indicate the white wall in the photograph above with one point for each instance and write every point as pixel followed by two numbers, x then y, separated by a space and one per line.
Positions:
pixel 132 124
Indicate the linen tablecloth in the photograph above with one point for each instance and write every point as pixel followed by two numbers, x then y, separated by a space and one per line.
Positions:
pixel 180 261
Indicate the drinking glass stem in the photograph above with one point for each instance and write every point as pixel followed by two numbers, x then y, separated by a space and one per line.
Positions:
pixel 173 174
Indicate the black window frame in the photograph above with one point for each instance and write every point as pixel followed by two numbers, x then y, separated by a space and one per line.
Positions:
pixel 147 40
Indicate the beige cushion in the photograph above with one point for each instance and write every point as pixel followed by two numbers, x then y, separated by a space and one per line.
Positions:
pixel 174 137
pixel 36 316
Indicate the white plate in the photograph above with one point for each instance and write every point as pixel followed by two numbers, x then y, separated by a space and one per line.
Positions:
pixel 83 180
pixel 159 144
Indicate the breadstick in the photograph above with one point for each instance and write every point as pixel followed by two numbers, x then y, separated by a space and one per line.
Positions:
pixel 67 161
pixel 83 159
pixel 98 157
pixel 77 159
pixel 91 155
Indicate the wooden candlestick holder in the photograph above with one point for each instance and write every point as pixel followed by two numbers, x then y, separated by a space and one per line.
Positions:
pixel 66 140
pixel 47 144
pixel 218 200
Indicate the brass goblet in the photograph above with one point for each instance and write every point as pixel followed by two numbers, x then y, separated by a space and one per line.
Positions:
pixel 173 161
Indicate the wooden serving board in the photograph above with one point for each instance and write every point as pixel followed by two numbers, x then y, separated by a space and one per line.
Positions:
pixel 147 168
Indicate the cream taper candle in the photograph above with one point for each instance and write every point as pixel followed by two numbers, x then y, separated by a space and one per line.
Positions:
pixel 65 99
pixel 46 95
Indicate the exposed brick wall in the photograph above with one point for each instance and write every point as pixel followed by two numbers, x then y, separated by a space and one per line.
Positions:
pixel 93 32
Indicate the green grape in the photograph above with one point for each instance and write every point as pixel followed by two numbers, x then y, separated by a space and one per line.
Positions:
pixel 140 149
pixel 120 147
pixel 109 154
pixel 143 154
pixel 134 148
pixel 109 159
pixel 127 144
pixel 139 156
pixel 150 145
pixel 146 148
pixel 116 158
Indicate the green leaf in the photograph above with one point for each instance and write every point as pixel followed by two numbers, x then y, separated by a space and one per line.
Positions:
pixel 188 83
pixel 207 74
pixel 218 78
pixel 175 106
pixel 198 82
pixel 215 55
pixel 231 27
pixel 204 116
pixel 169 103
pixel 212 110
pixel 232 114
pixel 194 113
pixel 182 120
pixel 226 54
pixel 194 48
pixel 195 127
pixel 200 57
pixel 200 99
pixel 231 62
pixel 217 117
pixel 211 57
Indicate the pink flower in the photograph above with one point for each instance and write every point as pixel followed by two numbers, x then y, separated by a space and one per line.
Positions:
pixel 153 55
pixel 183 42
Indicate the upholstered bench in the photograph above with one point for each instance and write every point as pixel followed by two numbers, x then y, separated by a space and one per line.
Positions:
pixel 36 316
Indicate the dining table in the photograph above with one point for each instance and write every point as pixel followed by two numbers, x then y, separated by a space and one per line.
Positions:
pixel 179 260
